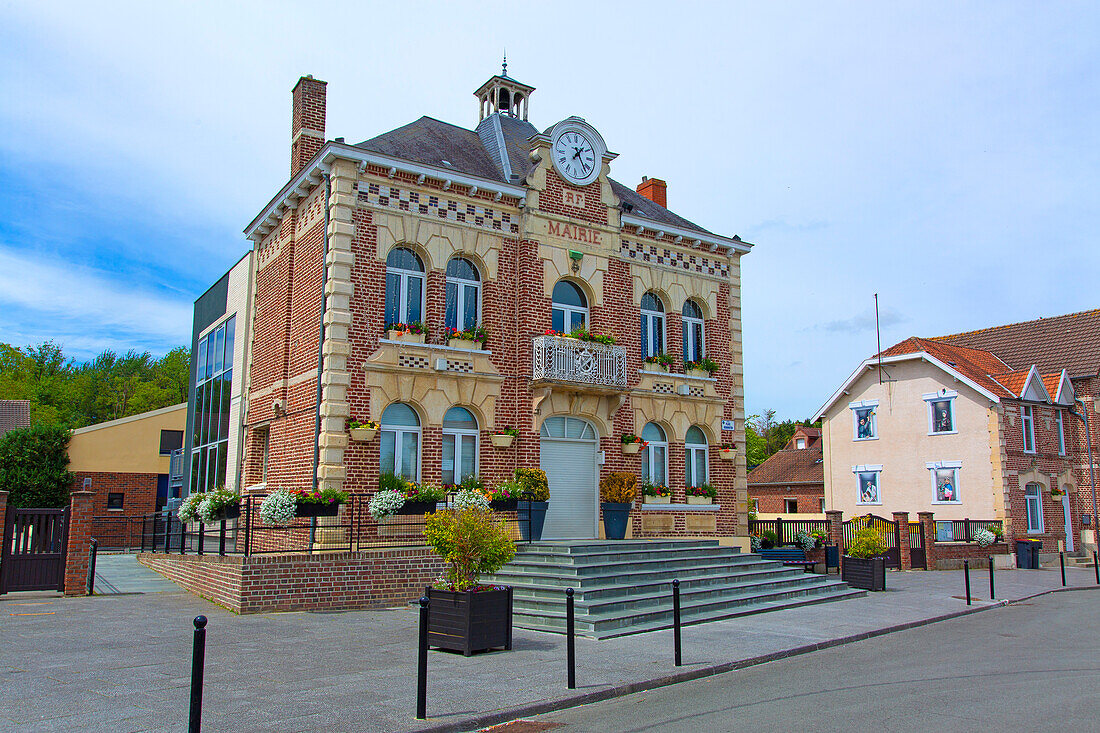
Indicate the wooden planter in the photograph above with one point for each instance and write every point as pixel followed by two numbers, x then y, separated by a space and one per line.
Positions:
pixel 465 344
pixel 469 621
pixel 502 441
pixel 416 338
pixel 317 510
pixel 657 499
pixel 727 455
pixel 631 448
pixel 700 500
pixel 362 435
pixel 866 573
pixel 417 507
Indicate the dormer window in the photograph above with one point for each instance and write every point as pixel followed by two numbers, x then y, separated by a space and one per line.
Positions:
pixel 941 412
pixel 800 443
pixel 1027 427
pixel 864 422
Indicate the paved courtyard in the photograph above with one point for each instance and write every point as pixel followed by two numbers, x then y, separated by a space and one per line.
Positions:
pixel 122 662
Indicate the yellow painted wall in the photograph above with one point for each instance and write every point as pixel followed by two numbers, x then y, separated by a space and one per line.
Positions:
pixel 127 445
pixel 904 446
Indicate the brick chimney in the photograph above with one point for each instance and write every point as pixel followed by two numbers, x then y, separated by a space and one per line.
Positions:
pixel 653 189
pixel 307 125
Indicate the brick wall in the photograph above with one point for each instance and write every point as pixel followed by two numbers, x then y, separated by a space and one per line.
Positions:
pixel 950 555
pixel 769 499
pixel 330 581
pixel 118 527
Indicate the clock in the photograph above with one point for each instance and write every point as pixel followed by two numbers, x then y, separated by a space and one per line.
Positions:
pixel 577 151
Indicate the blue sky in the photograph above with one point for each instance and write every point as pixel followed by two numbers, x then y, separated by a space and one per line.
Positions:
pixel 943 155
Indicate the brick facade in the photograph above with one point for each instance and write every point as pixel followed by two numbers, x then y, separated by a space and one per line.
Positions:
pixel 770 499
pixel 118 527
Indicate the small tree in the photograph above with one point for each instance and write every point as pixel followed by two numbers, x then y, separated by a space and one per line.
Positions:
pixel 471 542
pixel 34 466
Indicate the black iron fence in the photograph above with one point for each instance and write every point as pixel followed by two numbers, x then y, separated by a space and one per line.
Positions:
pixel 786 529
pixel 963 530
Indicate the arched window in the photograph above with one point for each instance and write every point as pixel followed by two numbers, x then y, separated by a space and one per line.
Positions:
pixel 570 428
pixel 695 457
pixel 463 295
pixel 655 455
pixel 570 308
pixel 404 286
pixel 694 349
pixel 400 448
pixel 653 325
pixel 459 445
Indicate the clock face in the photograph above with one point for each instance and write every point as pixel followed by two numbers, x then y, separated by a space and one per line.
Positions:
pixel 575 157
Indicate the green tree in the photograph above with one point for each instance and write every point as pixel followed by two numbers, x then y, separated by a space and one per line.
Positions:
pixel 34 466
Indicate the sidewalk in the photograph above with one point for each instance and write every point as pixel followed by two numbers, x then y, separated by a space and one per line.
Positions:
pixel 111 662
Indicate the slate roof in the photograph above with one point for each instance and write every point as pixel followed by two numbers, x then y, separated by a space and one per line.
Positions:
pixel 974 364
pixel 790 466
pixel 14 414
pixel 431 142
pixel 1070 342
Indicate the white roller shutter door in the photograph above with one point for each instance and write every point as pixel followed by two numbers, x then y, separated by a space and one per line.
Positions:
pixel 571 470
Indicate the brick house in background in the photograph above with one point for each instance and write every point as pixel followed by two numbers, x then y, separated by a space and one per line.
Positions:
pixel 935 425
pixel 791 480
pixel 523 232
pixel 14 414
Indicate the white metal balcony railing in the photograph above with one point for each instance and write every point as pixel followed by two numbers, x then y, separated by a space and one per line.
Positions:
pixel 572 360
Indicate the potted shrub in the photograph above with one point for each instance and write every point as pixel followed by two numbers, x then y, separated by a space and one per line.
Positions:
pixel 863 565
pixel 726 452
pixel 533 495
pixel 503 497
pixel 705 367
pixel 617 494
pixel 656 493
pixel 819 539
pixel 660 362
pixel 471 338
pixel 283 505
pixel 362 431
pixel 768 539
pixel 464 615
pixel 632 443
pixel 219 505
pixel 406 332
pixel 701 494
pixel 984 537
pixel 504 437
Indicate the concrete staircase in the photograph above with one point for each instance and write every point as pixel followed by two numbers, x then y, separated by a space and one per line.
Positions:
pixel 625 587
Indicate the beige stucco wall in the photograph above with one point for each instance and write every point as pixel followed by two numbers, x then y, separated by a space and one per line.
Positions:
pixel 903 446
pixel 127 445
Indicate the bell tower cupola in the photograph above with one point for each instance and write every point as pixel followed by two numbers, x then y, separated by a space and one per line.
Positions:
pixel 503 94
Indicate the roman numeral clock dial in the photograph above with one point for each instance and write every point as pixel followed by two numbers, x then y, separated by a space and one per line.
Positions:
pixel 575 156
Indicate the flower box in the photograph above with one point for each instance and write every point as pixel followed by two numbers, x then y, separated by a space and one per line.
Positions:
pixel 312 509
pixel 417 507
pixel 700 500
pixel 531 517
pixel 416 338
pixel 502 441
pixel 698 373
pixel 727 454
pixel 362 435
pixel 657 499
pixel 469 621
pixel 468 344
pixel 866 573
pixel 631 448
pixel 229 511
pixel 662 368
pixel 503 505
pixel 615 518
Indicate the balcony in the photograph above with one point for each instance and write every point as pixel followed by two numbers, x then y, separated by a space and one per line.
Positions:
pixel 562 359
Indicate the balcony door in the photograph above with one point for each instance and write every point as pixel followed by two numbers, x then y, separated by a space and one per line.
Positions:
pixel 568 450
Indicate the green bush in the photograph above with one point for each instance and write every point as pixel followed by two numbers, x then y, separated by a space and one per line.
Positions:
pixel 619 488
pixel 768 539
pixel 535 486
pixel 34 466
pixel 868 542
pixel 471 542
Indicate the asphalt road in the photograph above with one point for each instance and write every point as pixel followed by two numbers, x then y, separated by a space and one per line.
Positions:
pixel 1033 666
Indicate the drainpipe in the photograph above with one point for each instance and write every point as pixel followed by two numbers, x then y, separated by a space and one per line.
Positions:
pixel 321 345
pixel 1083 417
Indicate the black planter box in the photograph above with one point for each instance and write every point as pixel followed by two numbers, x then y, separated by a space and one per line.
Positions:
pixel 229 511
pixel 417 507
pixel 317 510
pixel 503 505
pixel 469 621
pixel 866 573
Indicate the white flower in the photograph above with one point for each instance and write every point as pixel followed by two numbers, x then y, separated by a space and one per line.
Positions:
pixel 190 507
pixel 984 538
pixel 279 507
pixel 754 543
pixel 470 499
pixel 385 503
pixel 805 540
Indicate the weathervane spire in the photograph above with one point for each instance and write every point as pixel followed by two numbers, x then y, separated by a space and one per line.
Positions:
pixel 504 64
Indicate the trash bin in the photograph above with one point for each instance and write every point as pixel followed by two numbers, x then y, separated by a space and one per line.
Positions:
pixel 1027 554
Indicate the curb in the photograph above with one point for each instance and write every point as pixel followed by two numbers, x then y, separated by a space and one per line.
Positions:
pixel 504 716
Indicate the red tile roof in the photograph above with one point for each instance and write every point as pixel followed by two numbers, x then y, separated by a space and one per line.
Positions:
pixel 14 414
pixel 790 466
pixel 1014 381
pixel 1051 382
pixel 974 364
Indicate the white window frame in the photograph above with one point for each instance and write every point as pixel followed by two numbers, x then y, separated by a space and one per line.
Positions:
pixel 690 449
pixel 400 432
pixel 863 405
pixel 687 324
pixel 653 325
pixel 403 288
pixel 456 435
pixel 568 310
pixel 461 284
pixel 1038 497
pixel 945 396
pixel 934 466
pixel 862 469
pixel 787 506
pixel 1060 421
pixel 1027 427
pixel 649 461
pixel 800 443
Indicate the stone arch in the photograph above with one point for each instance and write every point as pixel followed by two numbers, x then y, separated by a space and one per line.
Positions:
pixel 421 252
pixel 592 408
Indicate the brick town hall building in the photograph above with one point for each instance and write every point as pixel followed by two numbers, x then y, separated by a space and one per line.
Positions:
pixel 520 231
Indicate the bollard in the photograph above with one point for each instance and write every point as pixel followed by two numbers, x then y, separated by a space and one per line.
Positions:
pixel 92 550
pixel 966 575
pixel 422 663
pixel 570 649
pixel 198 659
pixel 676 618
pixel 1062 562
pixel 991 594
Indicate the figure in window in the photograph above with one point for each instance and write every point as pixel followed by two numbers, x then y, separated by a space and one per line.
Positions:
pixel 941 417
pixel 868 488
pixel 865 424
pixel 945 487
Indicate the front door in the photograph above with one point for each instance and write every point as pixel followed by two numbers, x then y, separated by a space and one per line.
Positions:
pixel 568 455
pixel 1069 523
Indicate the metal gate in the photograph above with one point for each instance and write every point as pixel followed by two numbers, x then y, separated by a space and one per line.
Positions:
pixel 918 560
pixel 886 527
pixel 33 554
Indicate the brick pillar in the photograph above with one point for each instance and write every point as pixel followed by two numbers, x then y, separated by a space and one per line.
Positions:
pixel 928 527
pixel 902 518
pixel 836 528
pixel 80 540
